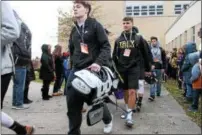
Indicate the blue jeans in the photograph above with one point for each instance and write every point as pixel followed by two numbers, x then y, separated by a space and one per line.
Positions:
pixel 196 94
pixel 156 87
pixel 19 85
pixel 189 91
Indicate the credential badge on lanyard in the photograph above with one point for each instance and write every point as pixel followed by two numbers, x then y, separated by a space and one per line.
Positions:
pixel 84 47
pixel 127 51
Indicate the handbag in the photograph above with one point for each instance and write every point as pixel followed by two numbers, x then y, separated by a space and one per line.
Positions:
pixel 197 85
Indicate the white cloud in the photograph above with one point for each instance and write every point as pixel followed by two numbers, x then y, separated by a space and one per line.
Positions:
pixel 41 17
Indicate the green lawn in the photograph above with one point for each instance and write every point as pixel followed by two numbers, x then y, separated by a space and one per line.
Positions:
pixel 171 86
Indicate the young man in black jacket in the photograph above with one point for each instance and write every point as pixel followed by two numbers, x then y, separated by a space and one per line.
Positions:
pixel 129 50
pixel 89 48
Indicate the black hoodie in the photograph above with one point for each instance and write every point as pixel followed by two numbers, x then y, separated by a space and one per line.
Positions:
pixel 139 50
pixel 46 70
pixel 98 45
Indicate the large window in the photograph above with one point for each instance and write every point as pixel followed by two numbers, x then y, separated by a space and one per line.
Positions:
pixel 144 10
pixel 179 8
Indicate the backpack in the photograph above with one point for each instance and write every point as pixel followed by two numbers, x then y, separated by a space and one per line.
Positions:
pixel 22 47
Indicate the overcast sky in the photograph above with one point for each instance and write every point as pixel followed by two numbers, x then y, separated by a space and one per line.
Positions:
pixel 41 18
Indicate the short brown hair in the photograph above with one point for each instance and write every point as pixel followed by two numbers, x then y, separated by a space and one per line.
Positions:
pixel 154 38
pixel 85 4
pixel 128 19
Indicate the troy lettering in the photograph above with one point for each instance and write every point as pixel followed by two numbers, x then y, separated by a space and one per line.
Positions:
pixel 126 44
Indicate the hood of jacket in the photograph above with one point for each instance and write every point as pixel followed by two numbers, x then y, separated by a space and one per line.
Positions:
pixel 44 48
pixel 134 31
pixel 190 48
pixel 194 57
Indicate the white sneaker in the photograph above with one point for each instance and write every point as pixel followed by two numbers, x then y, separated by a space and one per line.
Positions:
pixel 108 127
pixel 22 107
pixel 129 120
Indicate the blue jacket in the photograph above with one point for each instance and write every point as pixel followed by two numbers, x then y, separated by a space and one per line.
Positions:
pixel 187 66
pixel 195 74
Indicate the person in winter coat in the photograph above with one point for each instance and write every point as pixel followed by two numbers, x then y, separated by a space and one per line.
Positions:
pixel 46 70
pixel 196 73
pixel 186 69
pixel 58 63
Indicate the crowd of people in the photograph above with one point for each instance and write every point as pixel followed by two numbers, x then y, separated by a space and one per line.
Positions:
pixel 135 59
pixel 184 66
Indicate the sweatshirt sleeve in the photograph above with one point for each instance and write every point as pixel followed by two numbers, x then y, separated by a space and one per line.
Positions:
pixel 144 50
pixel 105 48
pixel 114 54
pixel 10 29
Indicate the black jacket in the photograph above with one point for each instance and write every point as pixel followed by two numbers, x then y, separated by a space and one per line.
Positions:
pixel 46 70
pixel 139 50
pixel 58 65
pixel 98 45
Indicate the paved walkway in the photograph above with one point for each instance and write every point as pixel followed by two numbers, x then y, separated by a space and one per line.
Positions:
pixel 164 116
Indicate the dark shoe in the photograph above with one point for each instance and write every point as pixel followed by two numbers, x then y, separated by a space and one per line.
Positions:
pixel 46 98
pixel 151 98
pixel 158 95
pixel 50 96
pixel 27 101
pixel 191 109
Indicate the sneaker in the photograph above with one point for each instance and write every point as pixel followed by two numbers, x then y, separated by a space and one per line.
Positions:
pixel 108 127
pixel 22 107
pixel 129 121
pixel 191 109
pixel 151 98
pixel 27 101
pixel 45 98
pixel 123 115
pixel 158 95
pixel 29 130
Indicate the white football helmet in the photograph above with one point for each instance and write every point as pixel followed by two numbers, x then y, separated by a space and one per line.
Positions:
pixel 98 83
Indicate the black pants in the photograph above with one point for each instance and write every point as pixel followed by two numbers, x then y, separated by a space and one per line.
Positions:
pixel 5 80
pixel 75 104
pixel 57 84
pixel 45 88
pixel 27 82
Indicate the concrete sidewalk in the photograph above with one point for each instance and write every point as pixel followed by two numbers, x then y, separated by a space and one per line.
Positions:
pixel 164 116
